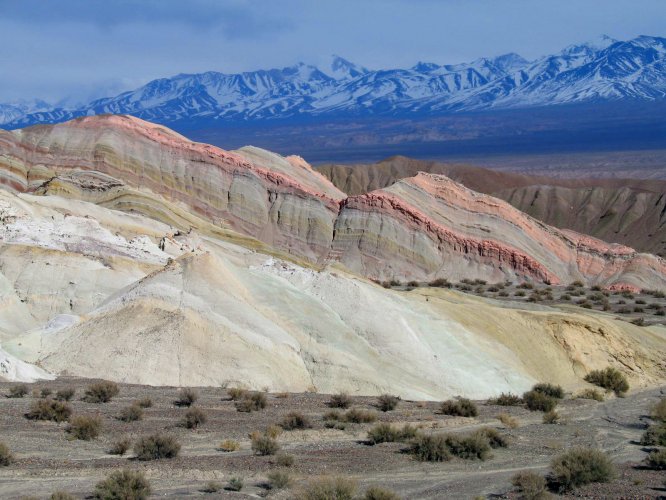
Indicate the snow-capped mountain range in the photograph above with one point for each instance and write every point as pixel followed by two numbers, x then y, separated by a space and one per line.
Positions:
pixel 603 70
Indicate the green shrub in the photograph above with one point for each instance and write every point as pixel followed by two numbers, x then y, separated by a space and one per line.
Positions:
pixel 530 485
pixel 123 485
pixel 336 488
pixel 551 417
pixel 461 407
pixel 506 399
pixel 144 402
pixel 341 400
pixel 47 409
pixel 194 417
pixel 131 413
pixel 156 446
pixel 235 484
pixel 278 480
pixel 6 457
pixel 469 446
pixel 295 420
pixel 377 493
pixel 610 379
pixel 655 435
pixel 386 433
pixel 538 401
pixel 358 416
pixel 495 439
pixel 581 466
pixel 61 495
pixel 120 447
pixel 430 448
pixel 65 394
pixel 84 427
pixel 387 402
pixel 101 392
pixel 18 391
pixel 252 402
pixel 264 445
pixel 186 397
pixel 657 460
pixel 658 411
pixel 590 394
pixel 284 460
pixel 554 391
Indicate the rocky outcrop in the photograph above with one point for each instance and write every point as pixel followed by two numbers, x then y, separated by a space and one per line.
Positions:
pixel 422 227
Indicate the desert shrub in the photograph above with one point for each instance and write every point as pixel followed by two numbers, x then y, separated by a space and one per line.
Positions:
pixel 18 391
pixel 264 445
pixel 156 446
pixel 194 417
pixel 377 493
pixel 358 416
pixel 413 284
pixel 508 420
pixel 341 400
pixel 123 485
pixel 144 402
pixel 658 411
pixel 590 394
pixel 430 448
pixel 554 391
pixel 519 293
pixel 6 457
pixel 236 393
pixel 229 445
pixel 461 407
pixel 273 431
pixel 278 479
pixel 45 392
pixel 610 379
pixel 638 321
pixel 336 488
pixel 624 310
pixel 577 284
pixel 47 409
pixel 334 415
pixel 84 427
pixel 65 394
pixel 551 417
pixel 468 446
pixel 655 435
pixel 212 487
pixel 252 402
pixel 538 401
pixel 101 392
pixel 284 460
pixel 386 433
pixel 131 413
pixel 61 495
pixel 387 402
pixel 235 484
pixel 657 459
pixel 530 485
pixel 506 399
pixel 495 439
pixel 295 420
pixel 660 312
pixel 186 397
pixel 440 283
pixel 120 447
pixel 581 466
pixel 640 302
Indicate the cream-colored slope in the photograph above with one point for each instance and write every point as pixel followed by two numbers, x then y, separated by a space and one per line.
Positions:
pixel 221 313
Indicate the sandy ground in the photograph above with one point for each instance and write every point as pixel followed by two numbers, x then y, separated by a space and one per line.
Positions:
pixel 47 461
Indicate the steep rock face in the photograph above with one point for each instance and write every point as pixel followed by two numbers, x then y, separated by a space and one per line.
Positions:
pixel 279 201
pixel 428 226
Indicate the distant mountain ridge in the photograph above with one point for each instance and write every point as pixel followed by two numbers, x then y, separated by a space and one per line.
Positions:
pixel 602 70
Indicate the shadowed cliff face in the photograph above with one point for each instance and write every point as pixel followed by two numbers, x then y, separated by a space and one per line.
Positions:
pixel 424 227
pixel 627 211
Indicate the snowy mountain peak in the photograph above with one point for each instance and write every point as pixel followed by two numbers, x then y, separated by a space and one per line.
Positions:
pixel 340 68
pixel 425 67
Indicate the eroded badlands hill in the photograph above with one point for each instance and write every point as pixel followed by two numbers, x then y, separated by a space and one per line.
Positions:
pixel 404 232
pixel 91 291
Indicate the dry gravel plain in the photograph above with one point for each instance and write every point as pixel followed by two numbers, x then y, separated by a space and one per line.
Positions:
pixel 47 461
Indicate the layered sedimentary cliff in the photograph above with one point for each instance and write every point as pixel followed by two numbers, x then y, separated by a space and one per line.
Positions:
pixel 422 227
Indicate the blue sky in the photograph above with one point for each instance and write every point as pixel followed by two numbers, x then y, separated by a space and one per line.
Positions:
pixel 88 48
